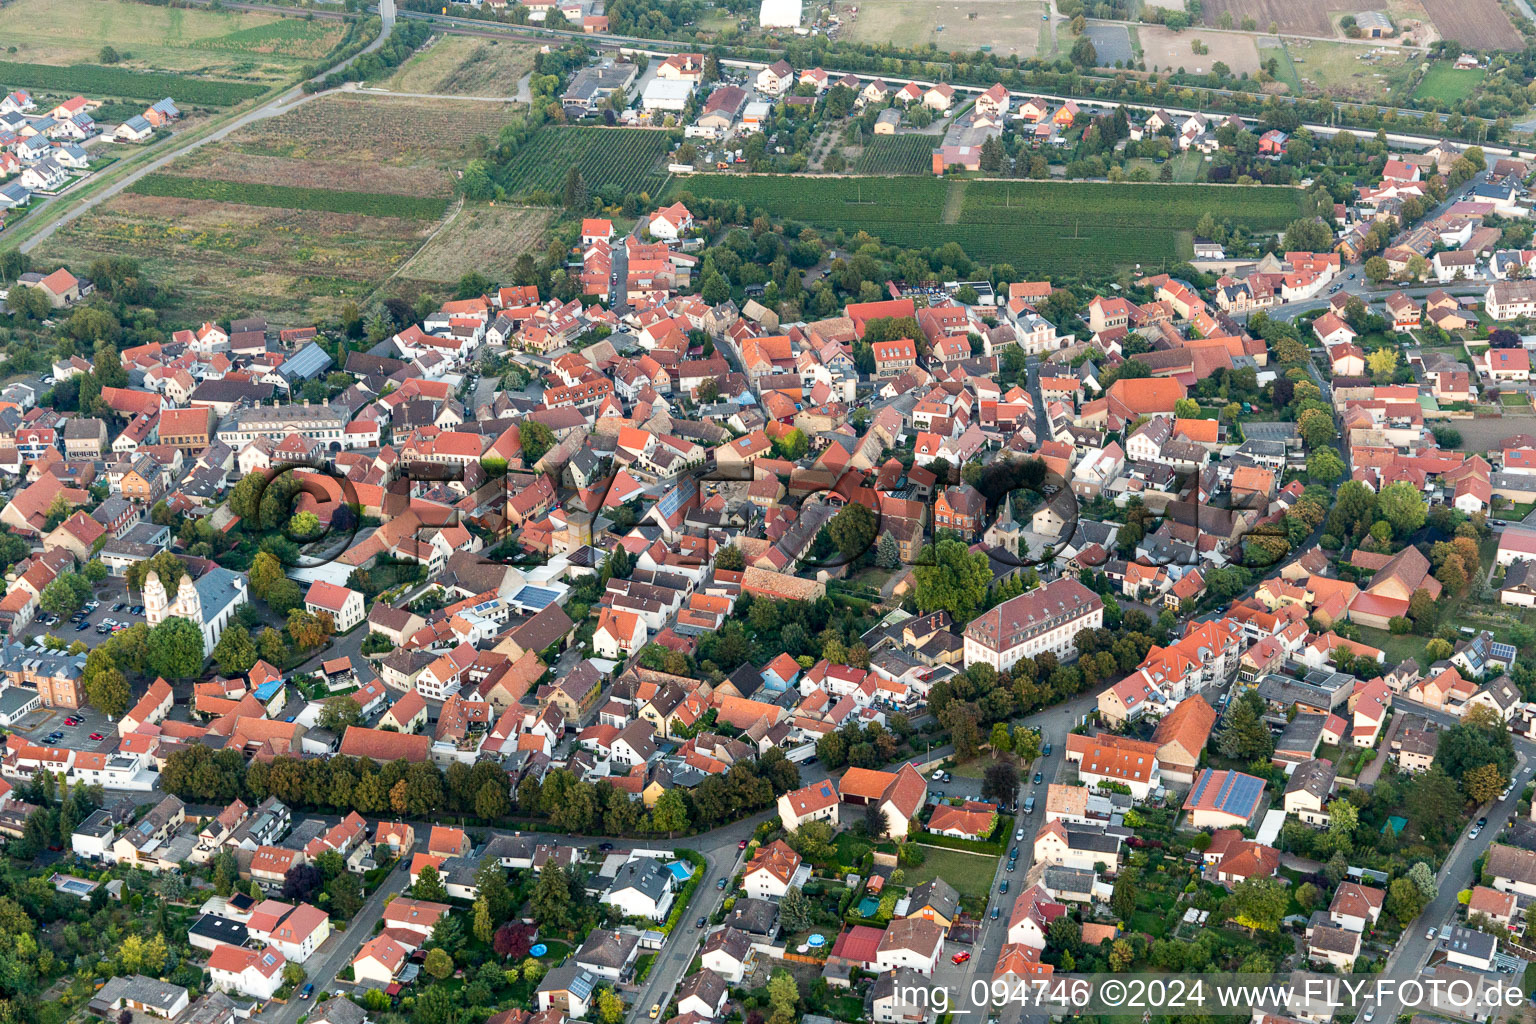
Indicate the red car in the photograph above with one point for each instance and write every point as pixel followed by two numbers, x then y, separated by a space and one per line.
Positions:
pixel 960 957
pixel 741 845
pixel 97 736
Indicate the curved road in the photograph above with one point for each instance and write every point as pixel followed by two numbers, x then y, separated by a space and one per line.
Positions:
pixel 279 105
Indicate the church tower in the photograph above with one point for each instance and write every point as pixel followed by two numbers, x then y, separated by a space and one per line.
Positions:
pixel 154 599
pixel 189 604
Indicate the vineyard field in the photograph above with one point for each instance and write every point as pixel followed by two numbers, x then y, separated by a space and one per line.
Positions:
pixel 898 154
pixel 629 160
pixel 1055 228
pixel 97 81
pixel 288 197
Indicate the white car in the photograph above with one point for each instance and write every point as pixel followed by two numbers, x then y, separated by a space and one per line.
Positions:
pixel 1430 934
pixel 1018 836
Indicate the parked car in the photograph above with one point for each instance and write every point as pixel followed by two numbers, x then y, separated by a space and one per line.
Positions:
pixel 307 991
pixel 699 923
pixel 1039 778
pixel 720 884
pixel 97 736
pixel 994 913
pixel 1046 750
pixel 1004 887
pixel 55 736
pixel 960 957
pixel 655 1010
pixel 1019 836
pixel 1430 934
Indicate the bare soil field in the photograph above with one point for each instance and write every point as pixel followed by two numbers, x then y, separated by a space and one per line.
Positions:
pixel 488 239
pixel 219 259
pixel 374 130
pixel 465 66
pixel 1477 24
pixel 226 164
pixel 1294 17
pixel 1008 26
pixel 1164 50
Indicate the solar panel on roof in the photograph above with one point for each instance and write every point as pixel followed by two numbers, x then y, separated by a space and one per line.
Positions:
pixel 536 597
pixel 1504 652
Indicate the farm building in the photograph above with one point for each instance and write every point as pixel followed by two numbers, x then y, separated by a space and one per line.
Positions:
pixel 1374 24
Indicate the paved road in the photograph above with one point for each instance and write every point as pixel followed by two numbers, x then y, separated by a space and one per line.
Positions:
pixel 1413 949
pixel 280 105
pixel 339 949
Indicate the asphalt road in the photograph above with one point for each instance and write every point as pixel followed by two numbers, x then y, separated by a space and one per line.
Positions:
pixel 1413 948
pixel 280 105
pixel 338 950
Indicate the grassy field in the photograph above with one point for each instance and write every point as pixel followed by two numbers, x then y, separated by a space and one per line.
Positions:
pixel 970 873
pixel 1058 228
pixel 1005 26
pixel 1444 83
pixel 367 204
pixel 628 160
pixel 484 238
pixel 246 45
pixel 464 66
pixel 99 82
pixel 1346 70
pixel 898 154
pixel 224 162
pixel 223 259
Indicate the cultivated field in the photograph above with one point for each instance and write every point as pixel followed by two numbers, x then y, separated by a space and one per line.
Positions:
pixel 626 159
pixel 99 82
pixel 289 197
pixel 1039 227
pixel 1478 24
pixel 222 163
pixel 1345 70
pixel 1164 50
pixel 374 130
pixel 898 154
pixel 223 259
pixel 189 40
pixel 488 239
pixel 1007 26
pixel 1293 17
pixel 464 66
pixel 1112 43
pixel 1443 82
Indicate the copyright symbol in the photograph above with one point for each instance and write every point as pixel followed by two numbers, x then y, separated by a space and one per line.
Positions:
pixel 1112 993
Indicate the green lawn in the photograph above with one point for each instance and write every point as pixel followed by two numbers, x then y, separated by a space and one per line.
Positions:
pixel 1397 647
pixel 1443 82
pixel 970 873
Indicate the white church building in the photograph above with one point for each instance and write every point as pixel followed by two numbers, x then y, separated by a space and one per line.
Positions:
pixel 209 603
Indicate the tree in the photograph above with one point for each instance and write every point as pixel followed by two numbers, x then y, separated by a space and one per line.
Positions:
pixel 492 801
pixel 95 570
pixel 344 895
pixel 1123 899
pixel 1423 876
pixel 876 822
pixel 1245 736
pixel 1324 466
pixel 1483 783
pixel 576 199
pixel 1405 901
pixel 301 883
pixel 852 530
pixel 176 649
pixel 536 438
pixel 551 900
pixel 1383 362
pixel 1001 740
pixel 610 1008
pixel 1258 904
pixel 1402 504
pixel 783 996
pixel 105 687
pixel 1343 819
pixel 65 595
pixel 429 885
pixel 795 911
pixel 513 940
pixel 952 578
pixel 730 558
pixel 337 713
pixel 670 815
pixel 1186 408
pixel 1084 54
pixel 1000 781
pixel 438 964
pixel 1316 428
pixel 235 652
pixel 1309 235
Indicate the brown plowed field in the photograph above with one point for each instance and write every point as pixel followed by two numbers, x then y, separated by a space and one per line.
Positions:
pixel 1476 24
pixel 1294 17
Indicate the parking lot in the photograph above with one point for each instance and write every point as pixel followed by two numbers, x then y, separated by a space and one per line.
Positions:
pixel 42 723
pixel 109 595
